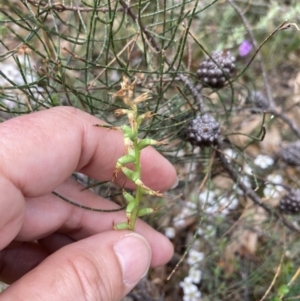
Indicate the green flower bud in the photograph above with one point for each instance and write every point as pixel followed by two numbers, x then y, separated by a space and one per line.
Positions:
pixel 130 174
pixel 128 197
pixel 125 160
pixel 122 226
pixel 145 211
pixel 130 207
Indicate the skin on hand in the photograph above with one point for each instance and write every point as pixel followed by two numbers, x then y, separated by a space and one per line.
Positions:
pixel 77 254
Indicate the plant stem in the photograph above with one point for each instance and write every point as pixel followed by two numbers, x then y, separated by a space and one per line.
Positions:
pixel 139 192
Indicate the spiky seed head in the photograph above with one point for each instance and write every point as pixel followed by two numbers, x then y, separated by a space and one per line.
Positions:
pixel 258 100
pixel 290 153
pixel 290 203
pixel 203 130
pixel 211 74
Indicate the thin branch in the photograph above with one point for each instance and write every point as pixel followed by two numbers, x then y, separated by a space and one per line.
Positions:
pixel 86 207
pixel 259 57
pixel 293 126
pixel 59 7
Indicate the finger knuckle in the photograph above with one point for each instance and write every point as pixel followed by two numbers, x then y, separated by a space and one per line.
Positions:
pixel 92 283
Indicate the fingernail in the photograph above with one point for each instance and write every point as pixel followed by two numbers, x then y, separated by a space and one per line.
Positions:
pixel 134 255
pixel 175 183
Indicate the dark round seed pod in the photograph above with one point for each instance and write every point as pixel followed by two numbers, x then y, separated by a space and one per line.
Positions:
pixel 290 153
pixel 203 131
pixel 258 100
pixel 211 75
pixel 290 203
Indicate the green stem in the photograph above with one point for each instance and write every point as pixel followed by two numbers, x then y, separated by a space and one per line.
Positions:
pixel 137 168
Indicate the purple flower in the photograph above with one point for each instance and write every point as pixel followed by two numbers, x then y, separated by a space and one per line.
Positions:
pixel 245 48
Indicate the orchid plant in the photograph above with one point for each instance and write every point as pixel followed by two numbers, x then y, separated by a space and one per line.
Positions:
pixel 132 152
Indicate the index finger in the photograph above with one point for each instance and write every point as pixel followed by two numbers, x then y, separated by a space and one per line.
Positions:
pixel 40 150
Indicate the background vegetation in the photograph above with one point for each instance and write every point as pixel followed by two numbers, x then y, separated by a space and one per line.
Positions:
pixel 223 216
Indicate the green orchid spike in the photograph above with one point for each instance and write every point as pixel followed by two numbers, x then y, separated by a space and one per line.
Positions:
pixel 133 148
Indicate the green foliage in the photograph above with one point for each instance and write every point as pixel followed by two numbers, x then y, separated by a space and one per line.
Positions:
pixel 78 54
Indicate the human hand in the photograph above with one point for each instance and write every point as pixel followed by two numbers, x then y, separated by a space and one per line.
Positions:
pixel 52 250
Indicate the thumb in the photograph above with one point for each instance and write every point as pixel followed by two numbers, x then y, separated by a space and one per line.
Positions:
pixel 103 267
